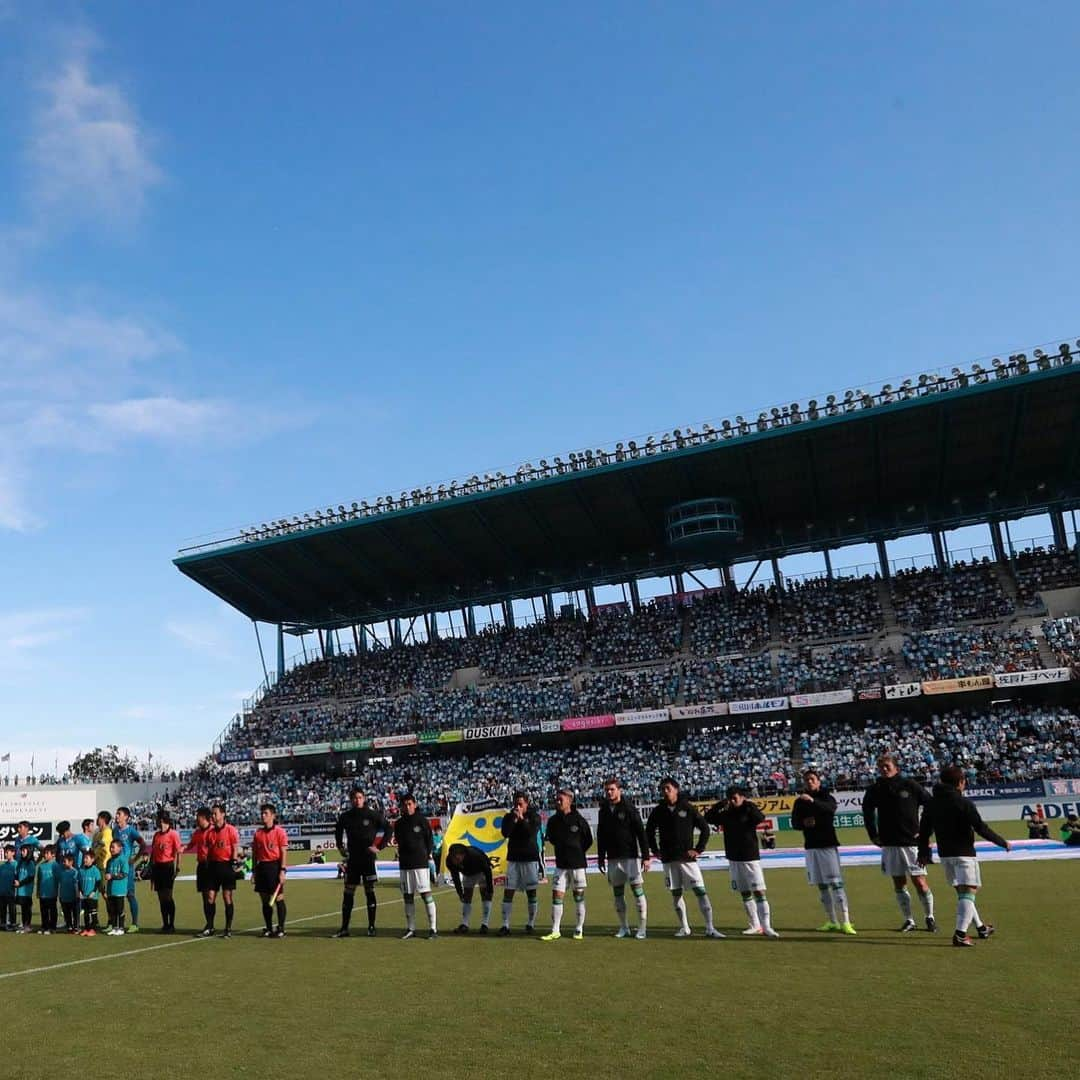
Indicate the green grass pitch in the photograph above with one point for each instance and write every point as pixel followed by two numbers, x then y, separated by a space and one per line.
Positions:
pixel 808 1005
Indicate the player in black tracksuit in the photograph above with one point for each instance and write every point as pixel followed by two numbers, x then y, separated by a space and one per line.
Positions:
pixel 814 815
pixel 678 834
pixel 569 834
pixel 955 820
pixel 356 833
pixel 524 860
pixel 620 837
pixel 739 819
pixel 891 813
pixel 465 861
pixel 412 835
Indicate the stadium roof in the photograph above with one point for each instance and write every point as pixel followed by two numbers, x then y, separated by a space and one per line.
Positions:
pixel 982 451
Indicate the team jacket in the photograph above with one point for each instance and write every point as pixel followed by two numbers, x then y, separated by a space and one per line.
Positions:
pixel 670 831
pixel 359 828
pixel 740 829
pixel 570 836
pixel 476 862
pixel 68 885
pixel 521 836
pixel 891 810
pixel 414 843
pixel 955 820
pixel 24 876
pixel 620 833
pixel 7 877
pixel 47 883
pixel 89 882
pixel 815 819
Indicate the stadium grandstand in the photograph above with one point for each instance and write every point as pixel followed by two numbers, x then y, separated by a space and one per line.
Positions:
pixel 418 672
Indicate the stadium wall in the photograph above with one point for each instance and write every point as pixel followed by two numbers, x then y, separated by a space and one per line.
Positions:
pixel 43 806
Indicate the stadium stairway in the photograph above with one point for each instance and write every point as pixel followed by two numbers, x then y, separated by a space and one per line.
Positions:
pixel 1008 584
pixel 887 610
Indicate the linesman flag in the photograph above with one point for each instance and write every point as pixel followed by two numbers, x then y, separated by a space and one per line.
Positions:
pixel 480 826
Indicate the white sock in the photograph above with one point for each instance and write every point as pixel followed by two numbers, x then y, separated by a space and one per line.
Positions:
pixel 705 904
pixel 508 907
pixel 840 904
pixel 620 910
pixel 751 914
pixel 965 913
pixel 903 898
pixel 556 916
pixel 533 907
pixel 432 916
pixel 680 910
pixel 927 901
pixel 763 912
pixel 827 904
pixel 485 911
pixel 466 912
pixel 579 911
pixel 410 914
pixel 642 910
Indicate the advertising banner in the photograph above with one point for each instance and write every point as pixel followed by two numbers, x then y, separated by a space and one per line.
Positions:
pixel 43 830
pixel 958 686
pixel 550 726
pixel 384 742
pixel 587 723
pixel 699 712
pixel 771 805
pixel 870 693
pixel 771 704
pixel 1030 790
pixel 826 697
pixel 531 726
pixel 1032 678
pixel 352 744
pixel 264 753
pixel 492 731
pixel 45 804
pixel 1062 787
pixel 227 757
pixel 642 716
pixel 898 691
pixel 847 800
pixel 430 738
pixel 304 749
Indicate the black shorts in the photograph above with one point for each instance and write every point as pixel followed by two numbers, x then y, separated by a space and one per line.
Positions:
pixel 266 878
pixel 361 868
pixel 162 876
pixel 220 876
pixel 202 877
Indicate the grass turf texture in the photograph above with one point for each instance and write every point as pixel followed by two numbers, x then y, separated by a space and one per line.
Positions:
pixel 811 1004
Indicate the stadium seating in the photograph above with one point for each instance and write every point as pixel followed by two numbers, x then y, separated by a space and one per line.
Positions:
pixel 1039 569
pixel 951 654
pixel 929 597
pixel 823 608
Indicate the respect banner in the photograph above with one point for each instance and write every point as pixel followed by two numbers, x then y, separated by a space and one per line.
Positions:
pixel 482 829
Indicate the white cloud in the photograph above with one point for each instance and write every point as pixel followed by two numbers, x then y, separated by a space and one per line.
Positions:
pixel 15 512
pixel 89 156
pixel 167 418
pixel 208 637
pixel 25 632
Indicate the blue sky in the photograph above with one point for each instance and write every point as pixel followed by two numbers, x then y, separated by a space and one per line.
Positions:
pixel 260 257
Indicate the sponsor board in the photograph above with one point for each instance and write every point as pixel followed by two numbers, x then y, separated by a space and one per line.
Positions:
pixel 318 828
pixel 1061 787
pixel 642 716
pixel 587 723
pixel 772 704
pixel 429 738
pixel 47 803
pixel 958 686
pixel 305 749
pixel 869 693
pixel 550 726
pixel 385 742
pixel 265 753
pixel 492 731
pixel 43 830
pixel 826 697
pixel 849 821
pixel 1034 789
pixel 1032 678
pixel 352 744
pixel 902 690
pixel 531 726
pixel 699 712
pixel 847 800
pixel 770 805
pixel 227 757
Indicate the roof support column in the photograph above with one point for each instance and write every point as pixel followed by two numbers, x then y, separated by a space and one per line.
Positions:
pixel 508 613
pixel 883 560
pixel 635 595
pixel 680 588
pixel 828 563
pixel 590 600
pixel 361 639
pixel 939 549
pixel 549 607
pixel 998 542
pixel 777 577
pixel 395 631
pixel 469 615
pixel 1057 523
pixel 280 652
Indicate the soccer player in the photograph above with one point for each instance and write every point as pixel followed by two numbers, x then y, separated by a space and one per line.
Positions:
pixel 101 842
pixel 356 835
pixel 412 835
pixel 90 883
pixel 813 813
pixel 165 849
pixel 131 840
pixel 891 812
pixel 65 842
pixel 25 871
pixel 68 892
pixel 739 819
pixel 524 859
pixel 7 889
pixel 623 854
pixel 955 820
pixel 116 875
pixel 269 848
pixel 469 868
pixel 25 839
pixel 569 834
pixel 84 841
pixel 670 832
pixel 48 888
pixel 222 845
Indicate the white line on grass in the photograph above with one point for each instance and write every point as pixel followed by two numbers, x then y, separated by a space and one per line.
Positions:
pixel 174 944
